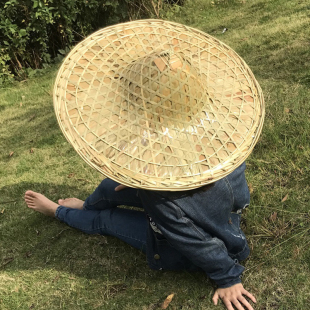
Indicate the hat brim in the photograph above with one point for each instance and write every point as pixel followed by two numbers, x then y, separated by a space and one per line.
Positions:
pixel 130 138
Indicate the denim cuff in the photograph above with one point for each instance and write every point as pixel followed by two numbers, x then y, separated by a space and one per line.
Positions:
pixel 59 213
pixel 230 283
pixel 231 277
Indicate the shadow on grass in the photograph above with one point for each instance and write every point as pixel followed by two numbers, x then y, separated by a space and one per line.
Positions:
pixel 34 242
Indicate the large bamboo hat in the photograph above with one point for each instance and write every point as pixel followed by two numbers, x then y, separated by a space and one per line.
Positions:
pixel 158 105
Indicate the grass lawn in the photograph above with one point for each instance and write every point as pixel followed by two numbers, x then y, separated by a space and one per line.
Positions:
pixel 46 265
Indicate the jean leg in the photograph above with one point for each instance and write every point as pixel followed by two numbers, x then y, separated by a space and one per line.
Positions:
pixel 127 225
pixel 105 197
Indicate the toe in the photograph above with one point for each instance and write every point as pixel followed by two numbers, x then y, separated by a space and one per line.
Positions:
pixel 30 205
pixel 30 194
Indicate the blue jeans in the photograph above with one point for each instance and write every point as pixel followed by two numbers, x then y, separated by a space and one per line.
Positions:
pixel 101 215
pixel 194 229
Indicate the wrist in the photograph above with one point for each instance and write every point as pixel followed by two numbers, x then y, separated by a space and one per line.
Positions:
pixel 229 283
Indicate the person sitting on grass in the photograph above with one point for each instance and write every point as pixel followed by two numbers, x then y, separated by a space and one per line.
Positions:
pixel 172 113
pixel 192 230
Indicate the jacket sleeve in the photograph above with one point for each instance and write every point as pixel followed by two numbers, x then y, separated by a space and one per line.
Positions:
pixel 207 252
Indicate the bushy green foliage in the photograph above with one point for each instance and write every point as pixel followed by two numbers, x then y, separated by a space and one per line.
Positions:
pixel 32 32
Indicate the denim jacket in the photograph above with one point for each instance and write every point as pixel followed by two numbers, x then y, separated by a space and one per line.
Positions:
pixel 200 229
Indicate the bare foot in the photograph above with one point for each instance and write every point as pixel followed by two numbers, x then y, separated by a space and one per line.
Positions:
pixel 40 203
pixel 73 203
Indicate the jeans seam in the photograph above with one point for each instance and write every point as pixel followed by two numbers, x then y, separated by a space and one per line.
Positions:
pixel 180 215
pixel 116 233
pixel 89 231
pixel 98 230
pixel 192 226
pixel 230 190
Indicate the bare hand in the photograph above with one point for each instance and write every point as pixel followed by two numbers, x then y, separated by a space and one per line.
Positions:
pixel 234 296
pixel 120 187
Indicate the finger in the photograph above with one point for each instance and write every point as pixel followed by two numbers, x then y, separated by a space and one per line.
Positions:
pixel 228 304
pixel 245 303
pixel 119 188
pixel 248 294
pixel 215 298
pixel 237 304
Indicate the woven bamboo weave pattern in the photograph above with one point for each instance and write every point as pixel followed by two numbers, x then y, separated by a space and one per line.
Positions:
pixel 158 105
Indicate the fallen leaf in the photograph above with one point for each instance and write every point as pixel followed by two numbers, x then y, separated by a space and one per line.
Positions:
pixel 251 189
pixel 56 279
pixel 103 241
pixel 296 251
pixel 11 154
pixel 2 211
pixel 285 198
pixel 167 301
pixel 32 117
pixel 84 180
pixel 273 216
pixel 7 261
pixel 70 175
pixel 287 110
pixel 20 104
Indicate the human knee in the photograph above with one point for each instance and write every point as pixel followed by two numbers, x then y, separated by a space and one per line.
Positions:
pixel 107 185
